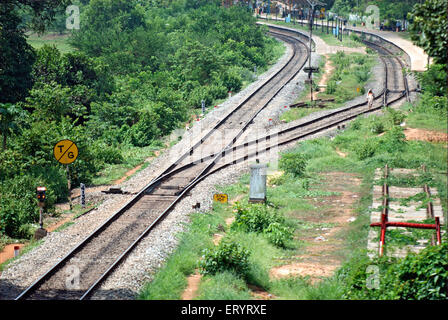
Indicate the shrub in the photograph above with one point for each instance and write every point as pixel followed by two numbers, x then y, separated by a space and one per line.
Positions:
pixel 356 124
pixel 258 218
pixel 331 87
pixel 366 148
pixel 253 218
pixel 394 140
pixel 18 206
pixel 355 37
pixel 278 234
pixel 395 116
pixel 227 256
pixel 108 154
pixel 377 126
pixel 422 276
pixel 293 163
pixel 362 75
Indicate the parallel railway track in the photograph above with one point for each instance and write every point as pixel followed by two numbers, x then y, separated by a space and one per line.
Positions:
pixel 100 252
pixel 104 249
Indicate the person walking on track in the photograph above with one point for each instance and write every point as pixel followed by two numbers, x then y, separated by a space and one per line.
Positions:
pixel 370 98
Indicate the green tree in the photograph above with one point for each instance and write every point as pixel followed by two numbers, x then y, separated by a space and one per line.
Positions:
pixel 16 57
pixel 9 113
pixel 429 28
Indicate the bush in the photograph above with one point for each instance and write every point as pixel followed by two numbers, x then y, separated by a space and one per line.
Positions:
pixel 331 87
pixel 356 124
pixel 422 276
pixel 366 148
pixel 258 218
pixel 18 206
pixel 253 218
pixel 377 126
pixel 293 163
pixel 278 234
pixel 395 116
pixel 107 154
pixel 394 140
pixel 227 256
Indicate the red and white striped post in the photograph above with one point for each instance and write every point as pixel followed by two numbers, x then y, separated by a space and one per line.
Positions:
pixel 16 251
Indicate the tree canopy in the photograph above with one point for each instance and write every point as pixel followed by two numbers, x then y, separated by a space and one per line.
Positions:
pixel 429 28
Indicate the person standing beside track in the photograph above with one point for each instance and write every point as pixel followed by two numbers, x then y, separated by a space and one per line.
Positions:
pixel 370 98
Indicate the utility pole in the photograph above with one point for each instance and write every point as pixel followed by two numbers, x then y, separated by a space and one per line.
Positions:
pixel 313 4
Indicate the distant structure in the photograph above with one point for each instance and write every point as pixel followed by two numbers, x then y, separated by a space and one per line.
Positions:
pixel 228 3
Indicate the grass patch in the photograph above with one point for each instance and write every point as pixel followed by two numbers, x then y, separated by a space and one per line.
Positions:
pixel 223 286
pixel 352 71
pixel 60 41
pixel 425 119
pixel 171 280
pixel 133 157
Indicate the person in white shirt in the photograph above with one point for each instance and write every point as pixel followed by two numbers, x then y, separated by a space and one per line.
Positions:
pixel 370 98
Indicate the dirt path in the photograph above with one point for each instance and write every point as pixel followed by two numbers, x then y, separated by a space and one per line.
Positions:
pixel 193 285
pixel 425 135
pixel 329 68
pixel 323 244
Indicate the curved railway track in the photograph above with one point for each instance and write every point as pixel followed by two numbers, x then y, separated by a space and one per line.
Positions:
pixel 100 252
pixel 104 249
pixel 395 88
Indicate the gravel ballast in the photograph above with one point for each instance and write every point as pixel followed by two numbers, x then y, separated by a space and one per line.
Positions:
pixel 149 255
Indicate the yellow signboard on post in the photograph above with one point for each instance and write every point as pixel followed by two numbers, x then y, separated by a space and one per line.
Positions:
pixel 65 151
pixel 220 197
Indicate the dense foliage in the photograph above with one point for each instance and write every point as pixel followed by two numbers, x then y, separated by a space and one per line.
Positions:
pixel 429 29
pixel 422 276
pixel 396 9
pixel 138 72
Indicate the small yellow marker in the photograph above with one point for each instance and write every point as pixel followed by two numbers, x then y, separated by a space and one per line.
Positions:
pixel 220 197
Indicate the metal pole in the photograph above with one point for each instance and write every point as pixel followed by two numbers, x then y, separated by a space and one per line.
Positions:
pixel 41 220
pixel 69 185
pixel 310 75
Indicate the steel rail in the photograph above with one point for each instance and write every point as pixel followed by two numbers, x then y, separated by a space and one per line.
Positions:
pixel 202 174
pixel 146 189
pixel 207 172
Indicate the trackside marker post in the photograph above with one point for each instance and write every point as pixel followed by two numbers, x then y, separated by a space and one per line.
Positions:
pixel 66 152
pixel 83 195
pixel 41 196
pixel 16 251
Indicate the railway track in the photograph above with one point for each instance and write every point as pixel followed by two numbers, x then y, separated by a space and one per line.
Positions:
pixel 104 249
pixel 99 253
pixel 395 88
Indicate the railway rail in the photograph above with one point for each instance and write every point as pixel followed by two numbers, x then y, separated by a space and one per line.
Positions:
pixel 104 249
pixel 393 91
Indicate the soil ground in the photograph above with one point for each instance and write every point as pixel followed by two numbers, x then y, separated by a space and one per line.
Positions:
pixel 323 245
pixel 425 135
pixel 322 255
